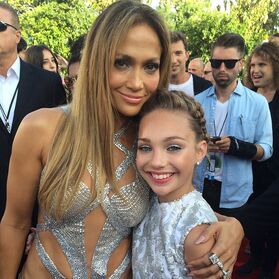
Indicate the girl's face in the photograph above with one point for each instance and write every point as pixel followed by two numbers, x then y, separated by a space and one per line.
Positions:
pixel 49 61
pixel 168 152
pixel 135 74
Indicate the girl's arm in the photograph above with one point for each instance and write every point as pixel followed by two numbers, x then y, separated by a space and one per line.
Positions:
pixel 22 186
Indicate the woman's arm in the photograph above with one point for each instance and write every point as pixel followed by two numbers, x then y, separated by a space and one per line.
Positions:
pixel 22 186
pixel 192 251
pixel 228 234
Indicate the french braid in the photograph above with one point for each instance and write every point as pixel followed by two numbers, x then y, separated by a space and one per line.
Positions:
pixel 179 101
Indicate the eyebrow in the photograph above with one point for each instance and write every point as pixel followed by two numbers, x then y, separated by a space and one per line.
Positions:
pixel 165 139
pixel 129 58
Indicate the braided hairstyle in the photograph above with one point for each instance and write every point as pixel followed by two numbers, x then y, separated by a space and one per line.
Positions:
pixel 179 101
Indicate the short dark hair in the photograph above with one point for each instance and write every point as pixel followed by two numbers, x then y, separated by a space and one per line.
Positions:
pixel 269 52
pixel 22 45
pixel 273 35
pixel 77 46
pixel 73 59
pixel 177 36
pixel 13 12
pixel 230 40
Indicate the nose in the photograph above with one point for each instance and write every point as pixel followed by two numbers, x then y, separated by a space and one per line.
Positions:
pixel 135 80
pixel 158 159
pixel 52 65
pixel 255 68
pixel 222 67
pixel 173 58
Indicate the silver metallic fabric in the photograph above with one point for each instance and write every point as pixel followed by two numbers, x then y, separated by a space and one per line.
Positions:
pixel 158 242
pixel 123 211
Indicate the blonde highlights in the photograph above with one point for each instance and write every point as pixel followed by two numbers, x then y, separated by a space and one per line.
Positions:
pixel 86 132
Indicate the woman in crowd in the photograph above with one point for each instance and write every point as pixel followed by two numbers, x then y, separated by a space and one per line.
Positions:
pixel 42 57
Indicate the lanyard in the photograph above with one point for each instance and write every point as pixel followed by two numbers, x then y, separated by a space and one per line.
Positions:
pixel 6 116
pixel 215 133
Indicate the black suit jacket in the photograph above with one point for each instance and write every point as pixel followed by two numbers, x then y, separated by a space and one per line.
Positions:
pixel 262 213
pixel 37 89
pixel 200 84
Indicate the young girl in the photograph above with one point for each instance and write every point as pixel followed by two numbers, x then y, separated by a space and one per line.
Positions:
pixel 79 161
pixel 172 139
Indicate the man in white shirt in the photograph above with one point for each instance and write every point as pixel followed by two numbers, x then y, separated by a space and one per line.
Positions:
pixel 23 89
pixel 180 79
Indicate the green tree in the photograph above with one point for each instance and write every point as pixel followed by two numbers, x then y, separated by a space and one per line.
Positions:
pixel 199 22
pixel 56 24
pixel 256 19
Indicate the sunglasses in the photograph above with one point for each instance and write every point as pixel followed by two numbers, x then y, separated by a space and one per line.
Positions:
pixel 69 81
pixel 229 63
pixel 4 26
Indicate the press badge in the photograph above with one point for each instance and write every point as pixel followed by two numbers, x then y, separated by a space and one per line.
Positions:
pixel 211 167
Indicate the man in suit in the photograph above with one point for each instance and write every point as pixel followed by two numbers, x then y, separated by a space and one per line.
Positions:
pixel 23 89
pixel 180 79
pixel 196 67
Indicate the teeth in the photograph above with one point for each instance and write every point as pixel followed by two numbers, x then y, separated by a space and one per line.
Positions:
pixel 160 176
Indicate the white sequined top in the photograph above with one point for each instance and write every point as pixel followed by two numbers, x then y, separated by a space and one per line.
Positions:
pixel 123 211
pixel 158 242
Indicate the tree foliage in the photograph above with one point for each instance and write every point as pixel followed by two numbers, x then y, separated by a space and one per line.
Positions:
pixel 202 24
pixel 54 23
pixel 57 23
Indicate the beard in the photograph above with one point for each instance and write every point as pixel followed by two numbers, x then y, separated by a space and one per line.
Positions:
pixel 224 80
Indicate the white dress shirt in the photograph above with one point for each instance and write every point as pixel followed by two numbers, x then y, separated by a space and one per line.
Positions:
pixel 7 89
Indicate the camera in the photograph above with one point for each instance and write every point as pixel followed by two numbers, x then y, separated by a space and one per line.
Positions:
pixel 214 138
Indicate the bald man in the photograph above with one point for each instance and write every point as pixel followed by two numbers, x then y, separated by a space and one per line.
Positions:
pixel 207 73
pixel 196 66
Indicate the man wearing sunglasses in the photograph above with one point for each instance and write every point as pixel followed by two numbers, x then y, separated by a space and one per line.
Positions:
pixel 23 89
pixel 180 79
pixel 239 123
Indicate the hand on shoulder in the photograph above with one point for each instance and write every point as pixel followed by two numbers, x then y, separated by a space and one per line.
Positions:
pixel 228 234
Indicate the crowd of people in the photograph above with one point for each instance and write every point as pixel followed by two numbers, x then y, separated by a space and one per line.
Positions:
pixel 133 165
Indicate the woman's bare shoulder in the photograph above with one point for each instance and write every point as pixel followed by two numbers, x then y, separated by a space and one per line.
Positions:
pixel 45 118
pixel 38 129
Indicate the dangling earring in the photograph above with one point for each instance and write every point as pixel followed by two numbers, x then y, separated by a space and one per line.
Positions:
pixel 198 162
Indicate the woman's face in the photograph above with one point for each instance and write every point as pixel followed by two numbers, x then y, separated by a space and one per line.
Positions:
pixel 135 74
pixel 49 61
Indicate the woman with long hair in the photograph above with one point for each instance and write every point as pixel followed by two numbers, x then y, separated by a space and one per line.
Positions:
pixel 79 160
pixel 42 57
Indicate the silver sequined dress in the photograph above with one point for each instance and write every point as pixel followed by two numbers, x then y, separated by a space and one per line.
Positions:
pixel 158 242
pixel 123 212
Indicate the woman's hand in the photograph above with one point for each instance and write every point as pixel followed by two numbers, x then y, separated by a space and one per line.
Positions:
pixel 228 234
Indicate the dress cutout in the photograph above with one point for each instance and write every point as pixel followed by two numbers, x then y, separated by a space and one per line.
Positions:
pixel 123 211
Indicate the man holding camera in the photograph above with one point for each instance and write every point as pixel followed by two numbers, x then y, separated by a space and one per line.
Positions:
pixel 239 123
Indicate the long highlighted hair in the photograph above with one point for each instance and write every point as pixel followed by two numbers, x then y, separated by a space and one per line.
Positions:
pixel 86 132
